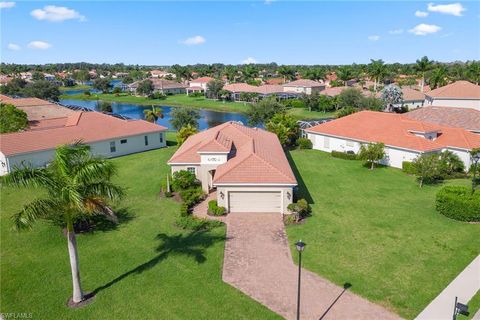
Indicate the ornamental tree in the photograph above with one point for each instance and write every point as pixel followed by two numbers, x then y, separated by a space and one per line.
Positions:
pixel 372 153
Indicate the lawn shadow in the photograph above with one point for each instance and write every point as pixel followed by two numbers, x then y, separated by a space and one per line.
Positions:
pixel 103 223
pixel 346 286
pixel 302 191
pixel 192 245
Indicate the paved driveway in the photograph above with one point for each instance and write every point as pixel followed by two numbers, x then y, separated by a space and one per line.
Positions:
pixel 258 262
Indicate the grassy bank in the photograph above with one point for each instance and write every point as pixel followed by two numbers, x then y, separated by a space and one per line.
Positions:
pixel 379 231
pixel 76 87
pixel 182 100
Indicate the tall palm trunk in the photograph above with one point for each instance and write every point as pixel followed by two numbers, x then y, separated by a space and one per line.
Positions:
pixel 375 85
pixel 72 252
pixel 423 82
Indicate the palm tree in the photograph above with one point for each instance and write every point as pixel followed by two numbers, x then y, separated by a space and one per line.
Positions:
pixel 76 184
pixel 422 66
pixel 438 77
pixel 153 114
pixel 287 72
pixel 377 70
pixel 344 73
pixel 473 72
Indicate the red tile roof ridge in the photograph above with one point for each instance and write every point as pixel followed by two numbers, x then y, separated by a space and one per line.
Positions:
pixel 238 162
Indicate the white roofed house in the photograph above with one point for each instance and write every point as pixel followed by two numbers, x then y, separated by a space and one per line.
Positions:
pixel 303 86
pixel 162 86
pixel 461 94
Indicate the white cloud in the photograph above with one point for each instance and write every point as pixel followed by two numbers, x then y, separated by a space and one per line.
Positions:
pixel 396 31
pixel 454 9
pixel 423 29
pixel 42 45
pixel 249 60
pixel 193 41
pixel 6 4
pixel 421 14
pixel 13 46
pixel 374 37
pixel 56 14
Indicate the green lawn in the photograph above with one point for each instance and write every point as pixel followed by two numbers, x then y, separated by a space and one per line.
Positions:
pixel 145 269
pixel 76 87
pixel 182 100
pixel 473 307
pixel 378 231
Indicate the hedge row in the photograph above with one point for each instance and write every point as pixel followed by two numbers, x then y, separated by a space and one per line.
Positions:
pixel 344 155
pixel 458 203
pixel 407 167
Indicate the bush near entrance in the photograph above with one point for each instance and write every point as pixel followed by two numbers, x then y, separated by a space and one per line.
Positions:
pixel 458 202
pixel 344 155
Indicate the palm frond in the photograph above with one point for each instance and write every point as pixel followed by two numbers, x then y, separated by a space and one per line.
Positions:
pixel 93 169
pixel 29 177
pixel 104 189
pixel 96 205
pixel 37 209
pixel 69 154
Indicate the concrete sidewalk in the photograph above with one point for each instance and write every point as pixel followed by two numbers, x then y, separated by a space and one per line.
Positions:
pixel 464 286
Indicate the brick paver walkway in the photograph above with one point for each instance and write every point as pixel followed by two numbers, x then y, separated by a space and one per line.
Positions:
pixel 258 262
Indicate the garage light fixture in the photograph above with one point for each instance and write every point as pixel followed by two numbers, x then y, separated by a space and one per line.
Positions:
pixel 222 195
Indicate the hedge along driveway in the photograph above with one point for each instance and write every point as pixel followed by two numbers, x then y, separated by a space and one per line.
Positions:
pixel 377 230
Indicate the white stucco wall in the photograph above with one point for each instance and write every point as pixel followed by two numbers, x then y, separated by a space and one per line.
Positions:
pixel 101 148
pixel 394 156
pixel 459 103
pixel 285 191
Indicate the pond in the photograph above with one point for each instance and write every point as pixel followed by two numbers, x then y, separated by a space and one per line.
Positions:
pixel 208 118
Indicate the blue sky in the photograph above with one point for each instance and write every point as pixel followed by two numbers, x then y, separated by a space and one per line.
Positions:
pixel 286 32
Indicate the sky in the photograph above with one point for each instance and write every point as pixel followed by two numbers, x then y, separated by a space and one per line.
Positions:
pixel 235 32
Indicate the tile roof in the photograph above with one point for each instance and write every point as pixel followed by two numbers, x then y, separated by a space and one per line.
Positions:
pixel 457 90
pixel 303 83
pixel 86 126
pixel 38 109
pixel 410 94
pixel 396 130
pixel 202 80
pixel 256 156
pixel 466 118
pixel 240 87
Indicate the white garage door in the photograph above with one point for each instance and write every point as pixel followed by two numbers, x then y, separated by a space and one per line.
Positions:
pixel 254 201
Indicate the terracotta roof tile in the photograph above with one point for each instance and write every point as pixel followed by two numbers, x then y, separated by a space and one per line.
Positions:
pixel 466 118
pixel 396 130
pixel 86 126
pixel 303 83
pixel 202 80
pixel 458 90
pixel 256 155
pixel 410 94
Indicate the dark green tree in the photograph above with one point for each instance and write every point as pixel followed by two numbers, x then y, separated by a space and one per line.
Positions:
pixel 183 116
pixel 12 119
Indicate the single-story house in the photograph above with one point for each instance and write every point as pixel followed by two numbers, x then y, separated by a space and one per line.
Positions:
pixel 161 74
pixel 412 99
pixel 162 86
pixel 303 86
pixel 108 136
pixel 246 166
pixel 466 118
pixel 404 138
pixel 461 94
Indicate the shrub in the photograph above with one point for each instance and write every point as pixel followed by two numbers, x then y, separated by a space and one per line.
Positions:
pixel 87 93
pixel 293 103
pixel 192 196
pixel 344 155
pixel 196 224
pixel 196 94
pixel 304 143
pixel 183 180
pixel 345 112
pixel 407 167
pixel 300 209
pixel 184 210
pixel 214 209
pixel 168 194
pixel 458 203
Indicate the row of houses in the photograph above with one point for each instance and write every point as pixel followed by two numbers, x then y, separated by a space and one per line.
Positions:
pixel 51 125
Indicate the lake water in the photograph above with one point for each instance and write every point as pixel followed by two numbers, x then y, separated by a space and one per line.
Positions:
pixel 207 119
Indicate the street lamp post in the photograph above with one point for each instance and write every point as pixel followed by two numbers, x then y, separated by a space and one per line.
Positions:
pixel 300 245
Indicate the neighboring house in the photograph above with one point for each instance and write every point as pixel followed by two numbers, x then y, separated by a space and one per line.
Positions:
pixel 49 77
pixel 38 109
pixel 466 118
pixel 404 138
pixel 4 80
pixel 161 74
pixel 461 94
pixel 303 86
pixel 162 86
pixel 201 82
pixel 246 166
pixel 107 135
pixel 266 90
pixel 26 76
pixel 412 99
